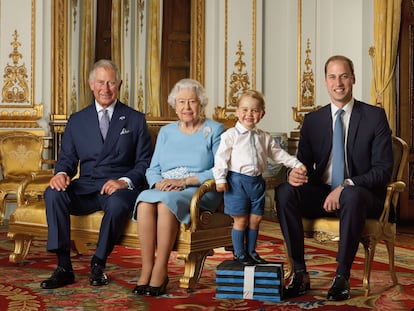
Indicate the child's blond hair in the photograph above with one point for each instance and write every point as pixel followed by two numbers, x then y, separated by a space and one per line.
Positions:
pixel 253 94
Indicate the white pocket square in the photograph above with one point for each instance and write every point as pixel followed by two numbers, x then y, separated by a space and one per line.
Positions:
pixel 124 131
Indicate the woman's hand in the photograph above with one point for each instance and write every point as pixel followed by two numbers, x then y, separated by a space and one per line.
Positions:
pixel 171 184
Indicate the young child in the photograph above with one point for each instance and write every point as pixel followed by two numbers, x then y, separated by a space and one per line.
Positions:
pixel 239 163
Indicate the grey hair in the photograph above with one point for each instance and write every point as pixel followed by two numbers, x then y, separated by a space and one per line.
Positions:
pixel 188 84
pixel 107 64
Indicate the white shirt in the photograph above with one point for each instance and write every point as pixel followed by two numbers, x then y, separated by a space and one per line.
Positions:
pixel 346 116
pixel 100 110
pixel 246 152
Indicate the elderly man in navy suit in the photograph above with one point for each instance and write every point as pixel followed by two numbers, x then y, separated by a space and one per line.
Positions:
pixel 111 145
pixel 359 193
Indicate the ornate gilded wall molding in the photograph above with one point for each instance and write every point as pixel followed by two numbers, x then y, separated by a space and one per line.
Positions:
pixel 197 40
pixel 254 31
pixel 140 10
pixel 125 91
pixel 239 82
pixel 239 79
pixel 15 88
pixel 74 13
pixel 243 74
pixel 306 81
pixel 140 94
pixel 59 60
pixel 74 95
pixel 126 16
pixel 18 108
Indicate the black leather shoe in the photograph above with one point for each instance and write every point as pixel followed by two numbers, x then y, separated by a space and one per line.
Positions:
pixel 157 290
pixel 340 289
pixel 299 284
pixel 245 259
pixel 97 276
pixel 140 289
pixel 256 258
pixel 59 278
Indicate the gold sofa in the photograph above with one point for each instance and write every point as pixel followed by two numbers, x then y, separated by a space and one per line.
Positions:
pixel 195 241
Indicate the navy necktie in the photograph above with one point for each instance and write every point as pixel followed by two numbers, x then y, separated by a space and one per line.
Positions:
pixel 104 123
pixel 338 154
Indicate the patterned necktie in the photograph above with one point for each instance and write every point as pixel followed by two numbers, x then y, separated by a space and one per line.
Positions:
pixel 104 123
pixel 338 154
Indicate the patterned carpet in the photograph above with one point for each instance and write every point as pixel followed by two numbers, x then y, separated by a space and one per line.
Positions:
pixel 19 285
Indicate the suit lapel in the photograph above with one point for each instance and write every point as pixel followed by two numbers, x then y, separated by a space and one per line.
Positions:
pixel 326 123
pixel 352 131
pixel 353 125
pixel 92 116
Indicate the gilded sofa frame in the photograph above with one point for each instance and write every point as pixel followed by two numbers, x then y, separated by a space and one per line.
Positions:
pixel 195 241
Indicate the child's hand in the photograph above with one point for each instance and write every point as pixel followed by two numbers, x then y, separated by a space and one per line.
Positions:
pixel 297 176
pixel 222 187
pixel 303 169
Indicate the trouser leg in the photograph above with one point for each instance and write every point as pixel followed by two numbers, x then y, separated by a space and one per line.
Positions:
pixel 356 203
pixel 58 219
pixel 117 210
pixel 292 203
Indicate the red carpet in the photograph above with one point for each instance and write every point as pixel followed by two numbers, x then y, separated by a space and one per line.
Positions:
pixel 19 285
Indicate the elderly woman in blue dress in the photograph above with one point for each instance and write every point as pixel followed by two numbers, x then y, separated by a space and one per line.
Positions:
pixel 183 159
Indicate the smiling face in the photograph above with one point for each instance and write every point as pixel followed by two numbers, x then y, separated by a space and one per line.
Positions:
pixel 104 86
pixel 187 105
pixel 339 81
pixel 249 111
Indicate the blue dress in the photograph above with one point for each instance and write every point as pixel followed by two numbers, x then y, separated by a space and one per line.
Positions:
pixel 179 155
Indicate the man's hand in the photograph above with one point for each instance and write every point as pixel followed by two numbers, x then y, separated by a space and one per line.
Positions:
pixel 331 203
pixel 113 185
pixel 297 176
pixel 59 182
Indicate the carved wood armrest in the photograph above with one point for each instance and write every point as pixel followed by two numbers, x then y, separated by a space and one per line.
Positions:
pixel 38 177
pixel 207 186
pixel 391 199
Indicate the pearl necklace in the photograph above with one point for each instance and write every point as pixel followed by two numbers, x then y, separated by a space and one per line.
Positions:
pixel 186 130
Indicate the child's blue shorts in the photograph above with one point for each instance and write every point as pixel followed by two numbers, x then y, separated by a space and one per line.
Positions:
pixel 245 195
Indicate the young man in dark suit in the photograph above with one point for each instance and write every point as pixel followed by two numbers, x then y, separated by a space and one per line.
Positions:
pixel 111 144
pixel 360 191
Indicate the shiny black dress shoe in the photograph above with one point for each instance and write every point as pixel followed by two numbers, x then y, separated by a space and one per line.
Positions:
pixel 340 289
pixel 256 258
pixel 299 284
pixel 140 289
pixel 245 259
pixel 97 276
pixel 59 278
pixel 157 290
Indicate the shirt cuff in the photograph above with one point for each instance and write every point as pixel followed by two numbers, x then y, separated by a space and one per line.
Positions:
pixel 221 181
pixel 129 182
